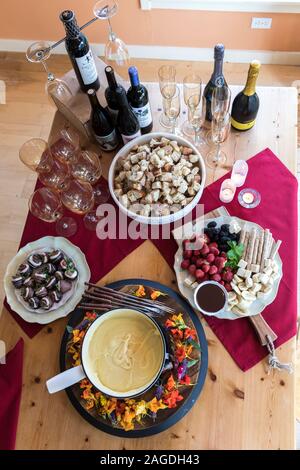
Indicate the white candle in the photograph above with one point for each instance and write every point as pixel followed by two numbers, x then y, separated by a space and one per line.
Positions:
pixel 248 198
pixel 227 191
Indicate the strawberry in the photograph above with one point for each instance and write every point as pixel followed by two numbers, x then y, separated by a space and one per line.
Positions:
pixel 214 251
pixel 228 287
pixel 210 258
pixel 213 270
pixel 187 254
pixel 192 269
pixel 185 263
pixel 205 268
pixel 199 274
pixel 205 250
pixel 216 277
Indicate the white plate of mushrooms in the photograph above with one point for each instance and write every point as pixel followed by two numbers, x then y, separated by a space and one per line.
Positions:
pixel 257 277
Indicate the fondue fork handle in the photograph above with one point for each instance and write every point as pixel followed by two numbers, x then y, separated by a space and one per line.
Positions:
pixel 65 379
pixel 104 307
pixel 100 299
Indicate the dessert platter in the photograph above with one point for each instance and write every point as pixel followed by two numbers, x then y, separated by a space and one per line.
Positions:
pixel 238 254
pixel 177 384
pixel 46 279
pixel 157 179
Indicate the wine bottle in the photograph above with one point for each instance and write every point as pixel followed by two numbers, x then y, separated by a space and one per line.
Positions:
pixel 127 121
pixel 102 125
pixel 80 53
pixel 110 93
pixel 137 96
pixel 246 103
pixel 217 78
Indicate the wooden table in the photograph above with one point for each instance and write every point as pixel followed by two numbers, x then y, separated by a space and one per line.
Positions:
pixel 236 410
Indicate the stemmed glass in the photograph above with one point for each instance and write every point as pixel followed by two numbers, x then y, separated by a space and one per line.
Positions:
pixel 171 108
pixel 45 204
pixel 65 145
pixel 36 155
pixel 192 87
pixel 115 49
pixel 220 104
pixel 220 128
pixel 78 197
pixel 197 111
pixel 39 52
pixel 167 85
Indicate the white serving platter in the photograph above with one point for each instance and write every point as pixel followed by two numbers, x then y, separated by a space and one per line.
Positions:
pixel 259 304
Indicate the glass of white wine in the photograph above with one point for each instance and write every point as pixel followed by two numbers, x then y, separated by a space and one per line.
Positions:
pixel 172 108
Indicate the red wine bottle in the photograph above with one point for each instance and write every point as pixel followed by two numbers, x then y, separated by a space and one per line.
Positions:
pixel 217 78
pixel 127 121
pixel 137 96
pixel 110 93
pixel 80 53
pixel 104 131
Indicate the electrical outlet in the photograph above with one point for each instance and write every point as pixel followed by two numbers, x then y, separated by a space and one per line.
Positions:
pixel 261 23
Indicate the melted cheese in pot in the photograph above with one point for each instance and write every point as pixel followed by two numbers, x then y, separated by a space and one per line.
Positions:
pixel 126 352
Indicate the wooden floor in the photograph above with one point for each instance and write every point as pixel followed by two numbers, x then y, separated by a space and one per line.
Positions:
pixel 28 113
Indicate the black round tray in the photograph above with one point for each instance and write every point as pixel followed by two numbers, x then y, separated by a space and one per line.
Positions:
pixel 165 418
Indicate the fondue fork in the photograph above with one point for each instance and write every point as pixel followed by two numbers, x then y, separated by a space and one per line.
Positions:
pixel 106 294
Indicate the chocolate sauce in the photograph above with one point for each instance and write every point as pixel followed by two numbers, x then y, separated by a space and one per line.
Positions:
pixel 211 298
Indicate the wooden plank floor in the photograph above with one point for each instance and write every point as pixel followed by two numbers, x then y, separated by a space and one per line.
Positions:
pixel 28 113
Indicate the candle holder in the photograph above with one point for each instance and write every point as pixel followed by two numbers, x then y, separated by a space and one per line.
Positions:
pixel 249 198
pixel 239 172
pixel 227 191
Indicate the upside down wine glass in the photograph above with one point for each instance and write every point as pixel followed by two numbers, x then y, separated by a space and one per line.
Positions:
pixel 115 49
pixel 39 52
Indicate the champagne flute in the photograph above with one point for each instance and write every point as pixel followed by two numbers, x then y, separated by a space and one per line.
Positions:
pixel 45 204
pixel 167 86
pixel 172 109
pixel 192 86
pixel 115 49
pixel 197 112
pixel 39 52
pixel 220 104
pixel 220 129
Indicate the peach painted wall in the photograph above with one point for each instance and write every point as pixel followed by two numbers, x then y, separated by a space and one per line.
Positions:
pixel 38 19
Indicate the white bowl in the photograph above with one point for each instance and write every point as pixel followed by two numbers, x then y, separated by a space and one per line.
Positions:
pixel 63 309
pixel 165 219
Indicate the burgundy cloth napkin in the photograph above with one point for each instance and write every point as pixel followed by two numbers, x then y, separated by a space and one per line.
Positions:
pixel 278 212
pixel 102 255
pixel 11 389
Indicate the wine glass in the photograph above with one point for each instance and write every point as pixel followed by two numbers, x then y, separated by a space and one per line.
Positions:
pixel 78 197
pixel 39 52
pixel 172 109
pixel 220 129
pixel 58 177
pixel 45 204
pixel 115 49
pixel 192 87
pixel 101 192
pixel 86 166
pixel 167 85
pixel 36 155
pixel 64 145
pixel 196 116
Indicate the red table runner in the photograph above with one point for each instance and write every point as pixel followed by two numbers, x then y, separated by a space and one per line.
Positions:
pixel 277 211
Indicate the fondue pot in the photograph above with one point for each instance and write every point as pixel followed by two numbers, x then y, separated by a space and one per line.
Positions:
pixel 85 370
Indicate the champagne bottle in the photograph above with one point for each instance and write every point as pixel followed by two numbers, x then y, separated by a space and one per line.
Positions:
pixel 127 121
pixel 102 125
pixel 217 78
pixel 137 96
pixel 80 53
pixel 246 103
pixel 110 93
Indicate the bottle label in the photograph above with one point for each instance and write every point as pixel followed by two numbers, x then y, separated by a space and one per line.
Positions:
pixel 87 67
pixel 143 115
pixel 128 138
pixel 242 126
pixel 108 142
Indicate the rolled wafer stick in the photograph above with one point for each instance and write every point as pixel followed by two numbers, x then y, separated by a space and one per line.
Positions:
pixel 251 246
pixel 255 249
pixel 260 248
pixel 270 244
pixel 242 236
pixel 265 247
pixel 246 242
pixel 275 249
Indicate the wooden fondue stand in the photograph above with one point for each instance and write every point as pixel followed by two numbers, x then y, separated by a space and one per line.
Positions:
pixel 236 410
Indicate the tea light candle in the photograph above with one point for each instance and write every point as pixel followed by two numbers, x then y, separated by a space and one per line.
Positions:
pixel 227 191
pixel 249 198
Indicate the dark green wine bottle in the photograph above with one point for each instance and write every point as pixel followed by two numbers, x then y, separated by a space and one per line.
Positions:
pixel 217 78
pixel 246 104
